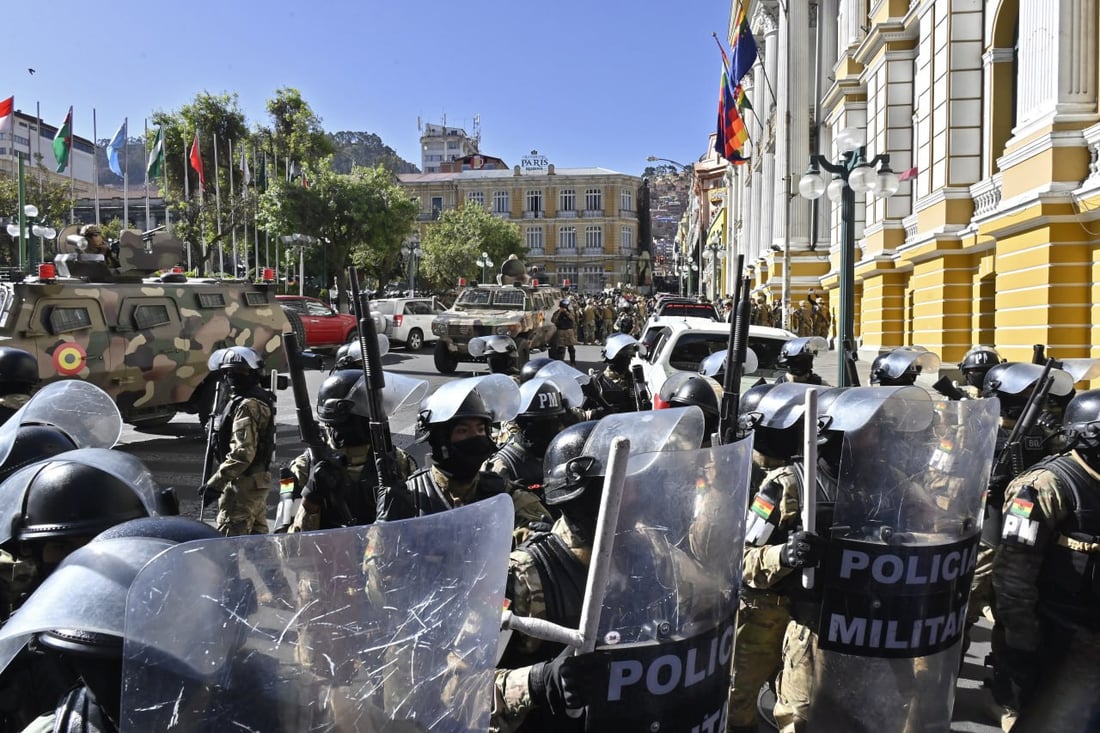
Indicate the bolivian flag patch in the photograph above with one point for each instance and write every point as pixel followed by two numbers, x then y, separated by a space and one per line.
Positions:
pixel 762 507
pixel 1021 507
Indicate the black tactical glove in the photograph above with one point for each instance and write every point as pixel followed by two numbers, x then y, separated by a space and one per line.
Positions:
pixel 802 550
pixel 208 495
pixel 564 682
pixel 580 676
pixel 545 685
pixel 326 478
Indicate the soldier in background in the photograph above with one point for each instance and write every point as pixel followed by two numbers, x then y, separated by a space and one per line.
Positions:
pixel 761 314
pixel 797 358
pixel 616 389
pixel 18 379
pixel 589 319
pixel 245 445
pixel 565 339
pixel 97 245
pixel 1046 575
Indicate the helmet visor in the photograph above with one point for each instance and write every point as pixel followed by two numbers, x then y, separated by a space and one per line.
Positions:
pixel 716 363
pixel 784 405
pixel 80 409
pixel 909 407
pixel 499 393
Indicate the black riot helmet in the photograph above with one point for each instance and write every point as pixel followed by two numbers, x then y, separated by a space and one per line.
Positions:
pixel 34 443
pixel 174 529
pixel 571 477
pixel 531 368
pixel 441 413
pixel 1012 382
pixel 69 499
pixel 703 392
pixel 335 403
pixel 746 410
pixel 1081 424
pixel 18 371
pixel 240 365
pixel 797 355
pixel 540 399
pixel 902 366
pixel 618 350
pixel 977 362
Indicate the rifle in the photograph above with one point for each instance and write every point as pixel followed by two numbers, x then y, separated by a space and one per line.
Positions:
pixel 213 426
pixel 850 358
pixel 388 490
pixel 330 497
pixel 1011 455
pixel 735 358
pixel 948 389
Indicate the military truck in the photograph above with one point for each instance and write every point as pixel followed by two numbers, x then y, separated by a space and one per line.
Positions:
pixel 516 307
pixel 142 331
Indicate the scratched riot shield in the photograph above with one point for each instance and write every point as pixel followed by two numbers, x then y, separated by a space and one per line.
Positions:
pixel 665 634
pixel 393 628
pixel 901 554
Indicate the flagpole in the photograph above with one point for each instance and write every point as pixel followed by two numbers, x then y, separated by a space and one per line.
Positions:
pixel 145 137
pixel 256 228
pixel 187 193
pixel 218 208
pixel 164 196
pixel 38 122
pixel 95 163
pixel 72 179
pixel 233 225
pixel 126 173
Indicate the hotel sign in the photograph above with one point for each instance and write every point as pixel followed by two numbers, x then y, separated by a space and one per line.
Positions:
pixel 534 163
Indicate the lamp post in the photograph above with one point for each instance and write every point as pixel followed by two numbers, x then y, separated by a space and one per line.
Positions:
pixel 852 173
pixel 301 241
pixel 484 263
pixel 412 252
pixel 714 254
pixel 23 230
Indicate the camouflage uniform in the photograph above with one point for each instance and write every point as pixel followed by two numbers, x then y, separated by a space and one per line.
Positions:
pixel 1048 600
pixel 809 378
pixel 246 443
pixel 358 458
pixel 512 699
pixel 10 404
pixel 589 317
pixel 613 391
pixel 18 579
pixel 565 338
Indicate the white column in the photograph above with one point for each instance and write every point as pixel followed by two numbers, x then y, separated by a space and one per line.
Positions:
pixel 793 119
pixel 772 51
pixel 1057 59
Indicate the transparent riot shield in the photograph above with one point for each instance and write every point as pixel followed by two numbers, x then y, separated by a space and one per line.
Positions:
pixel 665 634
pixel 81 410
pixel 392 627
pixel 901 555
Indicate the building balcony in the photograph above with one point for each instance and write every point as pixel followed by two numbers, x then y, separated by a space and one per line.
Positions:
pixel 502 214
pixel 533 214
pixel 628 252
pixel 567 214
pixel 628 214
pixel 592 213
pixel 536 252
pixel 592 251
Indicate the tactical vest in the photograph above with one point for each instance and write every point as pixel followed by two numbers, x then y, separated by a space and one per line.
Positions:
pixel 525 468
pixel 617 396
pixel 80 713
pixel 428 498
pixel 1069 582
pixel 563 579
pixel 265 438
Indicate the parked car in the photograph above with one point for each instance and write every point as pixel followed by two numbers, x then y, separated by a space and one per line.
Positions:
pixel 683 343
pixel 325 327
pixel 409 319
pixel 685 308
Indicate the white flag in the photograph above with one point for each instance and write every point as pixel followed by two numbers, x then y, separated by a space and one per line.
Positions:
pixel 246 174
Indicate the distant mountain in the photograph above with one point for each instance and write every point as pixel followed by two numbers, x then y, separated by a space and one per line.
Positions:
pixel 366 149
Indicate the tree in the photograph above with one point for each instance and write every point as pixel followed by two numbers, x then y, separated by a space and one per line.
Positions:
pixel 454 242
pixel 361 218
pixel 296 132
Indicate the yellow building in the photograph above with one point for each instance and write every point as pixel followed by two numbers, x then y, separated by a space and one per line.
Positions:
pixel 990 111
pixel 579 225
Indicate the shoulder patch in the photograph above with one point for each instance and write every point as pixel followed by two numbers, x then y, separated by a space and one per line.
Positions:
pixel 1022 521
pixel 762 507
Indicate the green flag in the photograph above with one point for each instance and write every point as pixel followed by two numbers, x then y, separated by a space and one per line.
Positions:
pixel 156 157
pixel 63 142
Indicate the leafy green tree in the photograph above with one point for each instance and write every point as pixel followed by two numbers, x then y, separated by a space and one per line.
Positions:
pixel 295 133
pixel 359 219
pixel 453 244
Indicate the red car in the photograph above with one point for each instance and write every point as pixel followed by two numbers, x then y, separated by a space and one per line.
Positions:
pixel 325 327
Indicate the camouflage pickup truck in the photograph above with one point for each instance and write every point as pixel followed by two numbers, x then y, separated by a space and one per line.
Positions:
pixel 142 338
pixel 517 310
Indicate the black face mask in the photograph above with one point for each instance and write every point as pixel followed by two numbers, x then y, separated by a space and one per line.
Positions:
pixel 241 382
pixel 535 436
pixel 463 459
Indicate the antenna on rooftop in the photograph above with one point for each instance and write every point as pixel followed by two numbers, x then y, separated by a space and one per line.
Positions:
pixel 419 124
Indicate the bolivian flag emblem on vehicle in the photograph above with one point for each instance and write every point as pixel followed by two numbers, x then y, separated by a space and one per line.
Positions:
pixel 69 358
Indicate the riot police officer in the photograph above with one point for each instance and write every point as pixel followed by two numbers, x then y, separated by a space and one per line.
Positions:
pixel 245 445
pixel 618 388
pixel 901 366
pixel 18 379
pixel 684 389
pixel 797 358
pixel 348 475
pixel 974 365
pixel 542 414
pixel 456 421
pixel 565 338
pixel 499 352
pixel 546 579
pixel 1046 575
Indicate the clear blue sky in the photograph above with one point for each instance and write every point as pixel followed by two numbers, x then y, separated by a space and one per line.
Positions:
pixel 585 82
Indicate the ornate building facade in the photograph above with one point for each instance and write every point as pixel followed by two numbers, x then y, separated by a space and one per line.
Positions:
pixel 989 110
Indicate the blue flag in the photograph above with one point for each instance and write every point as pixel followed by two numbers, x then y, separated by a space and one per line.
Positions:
pixel 118 142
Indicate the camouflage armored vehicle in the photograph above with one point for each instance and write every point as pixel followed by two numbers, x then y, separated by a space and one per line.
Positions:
pixel 143 338
pixel 516 307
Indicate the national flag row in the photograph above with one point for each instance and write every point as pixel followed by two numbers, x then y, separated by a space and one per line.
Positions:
pixel 733 103
pixel 154 168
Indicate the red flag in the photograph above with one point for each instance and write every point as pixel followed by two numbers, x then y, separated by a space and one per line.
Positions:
pixel 732 134
pixel 7 112
pixel 196 162
pixel 907 174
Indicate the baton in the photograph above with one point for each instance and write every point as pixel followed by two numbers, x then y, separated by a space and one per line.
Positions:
pixel 809 475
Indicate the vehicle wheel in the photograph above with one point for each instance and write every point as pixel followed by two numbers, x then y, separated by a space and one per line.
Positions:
pixel 523 352
pixel 415 340
pixel 297 327
pixel 353 336
pixel 445 361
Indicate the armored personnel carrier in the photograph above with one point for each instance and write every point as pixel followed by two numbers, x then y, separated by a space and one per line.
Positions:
pixel 516 306
pixel 142 331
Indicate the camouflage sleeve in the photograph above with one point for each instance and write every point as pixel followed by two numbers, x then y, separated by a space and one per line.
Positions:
pixel 760 565
pixel 1034 508
pixel 511 697
pixel 528 510
pixel 299 468
pixel 247 420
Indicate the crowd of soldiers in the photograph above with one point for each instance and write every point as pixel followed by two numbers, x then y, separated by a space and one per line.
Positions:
pixel 1030 521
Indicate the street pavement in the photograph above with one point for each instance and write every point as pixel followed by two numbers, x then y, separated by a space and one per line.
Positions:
pixel 174 453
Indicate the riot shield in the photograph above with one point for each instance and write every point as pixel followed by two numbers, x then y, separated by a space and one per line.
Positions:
pixel 81 410
pixel 558 368
pixel 665 633
pixel 393 628
pixel 499 393
pixel 714 365
pixel 901 555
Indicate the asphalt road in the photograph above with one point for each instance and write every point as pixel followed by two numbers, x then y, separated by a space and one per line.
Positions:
pixel 174 454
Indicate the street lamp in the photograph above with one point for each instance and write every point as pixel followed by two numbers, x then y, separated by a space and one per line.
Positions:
pixel 301 241
pixel 484 262
pixel 714 254
pixel 412 252
pixel 683 270
pixel 22 232
pixel 851 174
